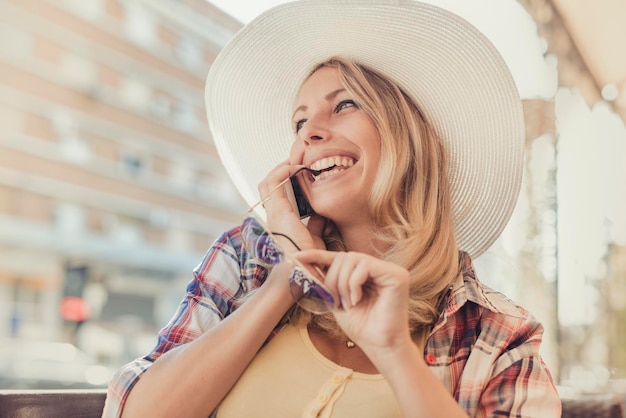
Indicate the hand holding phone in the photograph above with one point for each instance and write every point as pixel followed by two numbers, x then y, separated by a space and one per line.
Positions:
pixel 297 198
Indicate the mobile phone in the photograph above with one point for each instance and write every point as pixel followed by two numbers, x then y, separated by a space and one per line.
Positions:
pixel 298 199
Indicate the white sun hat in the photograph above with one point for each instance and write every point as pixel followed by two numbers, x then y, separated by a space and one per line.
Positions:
pixel 450 69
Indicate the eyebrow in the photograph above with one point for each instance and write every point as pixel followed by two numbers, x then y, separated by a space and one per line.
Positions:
pixel 328 97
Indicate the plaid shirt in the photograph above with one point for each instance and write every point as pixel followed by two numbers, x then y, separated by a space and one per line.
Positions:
pixel 484 348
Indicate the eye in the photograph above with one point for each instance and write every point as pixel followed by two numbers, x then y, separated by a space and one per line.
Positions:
pixel 344 104
pixel 299 124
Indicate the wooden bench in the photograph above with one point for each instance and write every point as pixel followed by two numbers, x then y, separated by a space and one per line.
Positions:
pixel 52 403
pixel 89 404
pixel 593 406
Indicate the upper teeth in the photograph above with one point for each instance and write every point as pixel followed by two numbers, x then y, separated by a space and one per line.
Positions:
pixel 332 161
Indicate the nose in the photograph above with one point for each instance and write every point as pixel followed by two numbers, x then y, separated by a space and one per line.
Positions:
pixel 317 137
pixel 315 131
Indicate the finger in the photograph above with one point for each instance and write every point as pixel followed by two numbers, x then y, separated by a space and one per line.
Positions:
pixel 322 258
pixel 333 279
pixel 271 194
pixel 345 269
pixel 278 174
pixel 273 179
pixel 360 277
pixel 293 168
pixel 355 275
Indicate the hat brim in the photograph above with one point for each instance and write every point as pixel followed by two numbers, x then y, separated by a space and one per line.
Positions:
pixel 447 66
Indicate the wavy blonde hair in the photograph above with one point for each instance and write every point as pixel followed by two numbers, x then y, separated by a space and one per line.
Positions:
pixel 410 199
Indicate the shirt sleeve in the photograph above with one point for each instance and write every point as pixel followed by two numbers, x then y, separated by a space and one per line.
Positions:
pixel 521 385
pixel 485 350
pixel 223 276
pixel 524 389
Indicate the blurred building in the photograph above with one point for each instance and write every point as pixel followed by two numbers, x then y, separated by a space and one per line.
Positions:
pixel 111 189
pixel 110 186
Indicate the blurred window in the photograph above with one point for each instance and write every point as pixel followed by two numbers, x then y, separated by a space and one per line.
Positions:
pixel 182 174
pixel 188 53
pixel 160 106
pixel 74 149
pixel 141 27
pixel 136 94
pixel 21 45
pixel 132 164
pixel 122 305
pixel 79 71
pixel 184 116
pixel 126 230
pixel 179 240
pixel 70 218
pixel 91 9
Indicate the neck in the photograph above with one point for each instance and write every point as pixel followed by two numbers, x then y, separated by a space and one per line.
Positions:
pixel 358 237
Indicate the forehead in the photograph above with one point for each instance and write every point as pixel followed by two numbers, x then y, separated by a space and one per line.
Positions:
pixel 320 83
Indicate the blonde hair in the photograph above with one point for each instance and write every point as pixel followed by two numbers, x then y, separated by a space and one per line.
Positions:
pixel 410 199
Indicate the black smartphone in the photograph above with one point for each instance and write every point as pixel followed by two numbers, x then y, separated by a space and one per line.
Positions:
pixel 298 199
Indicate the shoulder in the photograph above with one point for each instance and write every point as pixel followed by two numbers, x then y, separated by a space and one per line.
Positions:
pixel 230 240
pixel 492 317
pixel 469 289
pixel 226 249
pixel 493 301
pixel 486 345
pixel 505 326
pixel 232 265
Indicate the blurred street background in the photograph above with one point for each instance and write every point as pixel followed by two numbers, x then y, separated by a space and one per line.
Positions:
pixel 111 189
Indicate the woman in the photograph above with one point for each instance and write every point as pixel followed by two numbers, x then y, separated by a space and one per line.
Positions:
pixel 411 126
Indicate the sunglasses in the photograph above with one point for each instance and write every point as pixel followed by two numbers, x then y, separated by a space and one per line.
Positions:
pixel 307 290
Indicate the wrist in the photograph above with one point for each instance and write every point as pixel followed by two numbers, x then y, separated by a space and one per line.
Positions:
pixel 275 291
pixel 394 355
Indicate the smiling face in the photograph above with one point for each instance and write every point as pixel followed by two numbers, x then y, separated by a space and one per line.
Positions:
pixel 335 135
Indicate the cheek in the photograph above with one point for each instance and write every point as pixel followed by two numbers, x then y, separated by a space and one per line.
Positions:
pixel 373 142
pixel 296 154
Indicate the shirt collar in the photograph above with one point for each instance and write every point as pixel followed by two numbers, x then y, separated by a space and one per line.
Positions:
pixel 467 288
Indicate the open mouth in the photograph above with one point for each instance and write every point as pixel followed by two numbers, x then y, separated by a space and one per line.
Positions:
pixel 330 166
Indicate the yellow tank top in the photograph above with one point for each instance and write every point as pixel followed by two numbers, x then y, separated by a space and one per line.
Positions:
pixel 290 378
